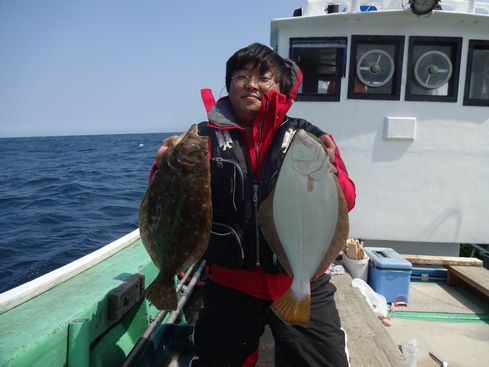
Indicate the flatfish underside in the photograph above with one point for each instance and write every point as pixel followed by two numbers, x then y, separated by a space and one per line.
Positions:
pixel 305 222
pixel 176 213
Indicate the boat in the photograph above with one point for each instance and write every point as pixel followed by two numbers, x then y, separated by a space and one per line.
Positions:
pixel 93 312
pixel 403 88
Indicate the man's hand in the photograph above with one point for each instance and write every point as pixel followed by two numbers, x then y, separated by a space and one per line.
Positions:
pixel 329 146
pixel 165 144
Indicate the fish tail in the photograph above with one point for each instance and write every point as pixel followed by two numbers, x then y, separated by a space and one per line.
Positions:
pixel 162 294
pixel 292 310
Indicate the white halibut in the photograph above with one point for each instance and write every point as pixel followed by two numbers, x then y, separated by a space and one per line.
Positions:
pixel 305 222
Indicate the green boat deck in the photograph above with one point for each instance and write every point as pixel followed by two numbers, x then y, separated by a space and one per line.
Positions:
pixel 35 333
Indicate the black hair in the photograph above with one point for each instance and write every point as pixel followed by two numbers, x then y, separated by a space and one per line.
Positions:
pixel 263 59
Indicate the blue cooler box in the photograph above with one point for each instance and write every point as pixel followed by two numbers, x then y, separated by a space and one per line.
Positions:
pixel 389 273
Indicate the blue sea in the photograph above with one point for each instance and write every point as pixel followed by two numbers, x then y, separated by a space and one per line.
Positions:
pixel 64 197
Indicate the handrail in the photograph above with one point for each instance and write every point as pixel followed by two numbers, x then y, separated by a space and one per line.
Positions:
pixel 319 7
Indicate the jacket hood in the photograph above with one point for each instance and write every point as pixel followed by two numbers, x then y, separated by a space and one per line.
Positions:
pixel 296 78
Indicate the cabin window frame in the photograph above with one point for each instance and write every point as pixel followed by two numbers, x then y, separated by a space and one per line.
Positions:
pixel 395 41
pixel 473 45
pixel 338 43
pixel 455 58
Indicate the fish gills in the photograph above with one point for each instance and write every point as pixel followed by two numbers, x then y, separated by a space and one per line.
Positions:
pixel 175 215
pixel 305 222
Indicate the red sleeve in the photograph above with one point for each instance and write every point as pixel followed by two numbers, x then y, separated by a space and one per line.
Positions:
pixel 345 181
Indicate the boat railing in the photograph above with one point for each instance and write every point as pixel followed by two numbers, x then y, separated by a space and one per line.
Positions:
pixel 464 6
pixel 322 7
pixel 33 288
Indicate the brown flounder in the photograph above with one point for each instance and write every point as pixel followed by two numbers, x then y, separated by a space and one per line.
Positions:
pixel 176 213
pixel 305 222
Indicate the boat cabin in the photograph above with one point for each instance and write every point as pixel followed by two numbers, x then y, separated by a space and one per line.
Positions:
pixel 404 89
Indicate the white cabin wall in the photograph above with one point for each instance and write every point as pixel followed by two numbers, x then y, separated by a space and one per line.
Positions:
pixel 434 188
pixel 431 189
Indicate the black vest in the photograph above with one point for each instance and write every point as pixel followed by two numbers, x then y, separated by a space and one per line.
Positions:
pixel 236 240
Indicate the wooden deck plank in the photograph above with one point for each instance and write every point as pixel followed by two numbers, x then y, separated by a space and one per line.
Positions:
pixel 369 344
pixel 475 277
pixel 442 260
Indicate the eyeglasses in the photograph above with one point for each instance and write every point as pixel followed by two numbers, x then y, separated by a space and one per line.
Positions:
pixel 263 82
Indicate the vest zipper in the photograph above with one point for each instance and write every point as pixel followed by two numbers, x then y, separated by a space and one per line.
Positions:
pixel 257 233
pixel 256 185
pixel 257 145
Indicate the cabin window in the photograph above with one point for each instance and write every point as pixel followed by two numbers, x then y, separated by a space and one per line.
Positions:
pixel 322 61
pixel 477 78
pixel 433 69
pixel 375 67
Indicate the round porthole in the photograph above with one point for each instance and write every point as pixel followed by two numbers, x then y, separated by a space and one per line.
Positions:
pixel 375 68
pixel 433 69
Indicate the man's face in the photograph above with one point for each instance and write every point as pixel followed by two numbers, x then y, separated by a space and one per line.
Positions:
pixel 246 91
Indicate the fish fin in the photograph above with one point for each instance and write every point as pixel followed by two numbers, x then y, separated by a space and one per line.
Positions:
pixel 291 310
pixel 267 225
pixel 144 230
pixel 340 235
pixel 162 294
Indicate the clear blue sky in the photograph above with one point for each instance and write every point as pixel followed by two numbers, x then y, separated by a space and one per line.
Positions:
pixel 119 66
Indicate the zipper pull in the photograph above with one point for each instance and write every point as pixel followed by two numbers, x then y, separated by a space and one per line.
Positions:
pixel 255 193
pixel 274 259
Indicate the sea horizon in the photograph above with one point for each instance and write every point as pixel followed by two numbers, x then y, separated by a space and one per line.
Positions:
pixel 88 134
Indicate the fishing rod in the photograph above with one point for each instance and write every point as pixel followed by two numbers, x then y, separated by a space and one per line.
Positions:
pixel 187 291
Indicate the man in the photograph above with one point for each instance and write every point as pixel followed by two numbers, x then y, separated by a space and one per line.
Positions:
pixel 247 131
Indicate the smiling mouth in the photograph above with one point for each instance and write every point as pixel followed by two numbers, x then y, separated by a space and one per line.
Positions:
pixel 252 96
